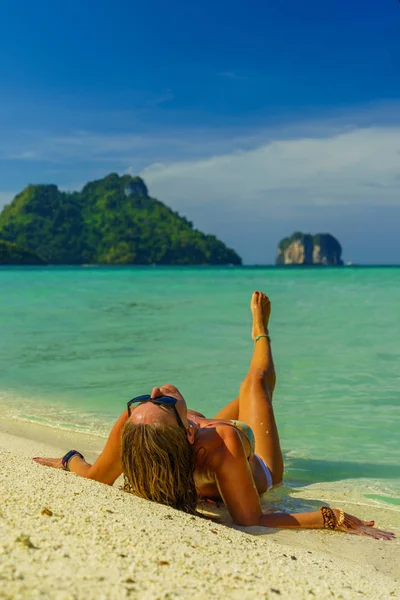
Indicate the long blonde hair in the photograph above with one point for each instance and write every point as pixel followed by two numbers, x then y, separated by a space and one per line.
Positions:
pixel 158 464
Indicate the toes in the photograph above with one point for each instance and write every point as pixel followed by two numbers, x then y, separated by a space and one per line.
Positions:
pixel 254 299
pixel 259 298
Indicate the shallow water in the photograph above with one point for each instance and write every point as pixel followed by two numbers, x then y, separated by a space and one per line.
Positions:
pixel 77 343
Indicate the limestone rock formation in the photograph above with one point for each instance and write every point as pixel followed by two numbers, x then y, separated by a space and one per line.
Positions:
pixel 305 249
pixel 327 250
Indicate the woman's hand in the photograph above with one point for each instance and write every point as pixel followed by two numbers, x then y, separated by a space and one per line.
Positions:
pixel 56 463
pixel 355 526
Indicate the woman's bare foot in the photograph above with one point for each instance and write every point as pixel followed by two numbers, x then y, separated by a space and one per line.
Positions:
pixel 261 310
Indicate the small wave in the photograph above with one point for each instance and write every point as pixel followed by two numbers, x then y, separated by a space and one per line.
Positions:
pixel 394 500
pixel 85 429
pixel 53 415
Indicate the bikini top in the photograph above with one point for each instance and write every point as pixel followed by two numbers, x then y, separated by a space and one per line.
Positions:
pixel 240 426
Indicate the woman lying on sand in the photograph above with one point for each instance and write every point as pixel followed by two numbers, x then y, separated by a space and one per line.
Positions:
pixel 175 456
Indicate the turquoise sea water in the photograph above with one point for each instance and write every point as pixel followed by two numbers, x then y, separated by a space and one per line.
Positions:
pixel 77 343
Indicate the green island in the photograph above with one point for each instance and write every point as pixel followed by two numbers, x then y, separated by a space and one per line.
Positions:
pixel 112 221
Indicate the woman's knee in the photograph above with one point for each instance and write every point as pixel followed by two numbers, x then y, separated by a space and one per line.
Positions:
pixel 255 375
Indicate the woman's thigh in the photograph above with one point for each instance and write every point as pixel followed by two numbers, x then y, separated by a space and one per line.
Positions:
pixel 229 412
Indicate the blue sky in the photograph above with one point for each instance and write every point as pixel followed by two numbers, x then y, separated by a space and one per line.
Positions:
pixel 254 119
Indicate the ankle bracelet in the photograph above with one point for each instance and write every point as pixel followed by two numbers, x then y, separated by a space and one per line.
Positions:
pixel 263 335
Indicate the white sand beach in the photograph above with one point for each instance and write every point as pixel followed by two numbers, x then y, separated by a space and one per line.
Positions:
pixel 63 537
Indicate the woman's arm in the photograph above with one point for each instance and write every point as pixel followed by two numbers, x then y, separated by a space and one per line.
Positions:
pixel 315 520
pixel 238 491
pixel 107 467
pixel 310 520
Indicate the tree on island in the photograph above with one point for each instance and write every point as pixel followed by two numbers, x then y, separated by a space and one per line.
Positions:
pixel 111 221
pixel 11 254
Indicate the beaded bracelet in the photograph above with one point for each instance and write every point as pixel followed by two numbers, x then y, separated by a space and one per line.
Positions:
pixel 330 521
pixel 68 457
pixel 341 518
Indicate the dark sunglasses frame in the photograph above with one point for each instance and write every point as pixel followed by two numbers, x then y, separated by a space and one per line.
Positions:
pixel 162 400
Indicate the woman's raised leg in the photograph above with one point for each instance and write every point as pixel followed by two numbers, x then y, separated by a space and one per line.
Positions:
pixel 255 398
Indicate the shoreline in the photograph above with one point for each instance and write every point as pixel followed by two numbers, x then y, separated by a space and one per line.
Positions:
pixel 268 266
pixel 33 435
pixel 100 542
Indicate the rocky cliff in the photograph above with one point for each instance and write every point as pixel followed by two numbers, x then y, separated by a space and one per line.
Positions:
pixel 305 249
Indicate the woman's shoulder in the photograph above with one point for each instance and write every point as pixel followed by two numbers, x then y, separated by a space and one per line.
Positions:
pixel 195 413
pixel 204 421
pixel 216 439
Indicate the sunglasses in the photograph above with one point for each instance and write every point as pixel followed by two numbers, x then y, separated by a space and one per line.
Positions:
pixel 162 400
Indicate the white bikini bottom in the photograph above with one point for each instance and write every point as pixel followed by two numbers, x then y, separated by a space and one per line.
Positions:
pixel 266 471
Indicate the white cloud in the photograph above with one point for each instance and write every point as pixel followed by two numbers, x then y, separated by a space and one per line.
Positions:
pixel 112 147
pixel 25 155
pixel 360 166
pixel 346 183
